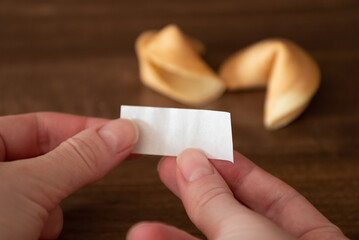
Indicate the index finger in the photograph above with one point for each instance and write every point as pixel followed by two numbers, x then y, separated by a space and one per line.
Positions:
pixel 33 134
pixel 276 200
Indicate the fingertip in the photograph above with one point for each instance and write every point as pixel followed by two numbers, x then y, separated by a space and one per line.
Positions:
pixel 194 165
pixel 157 231
pixel 132 126
pixel 191 153
pixel 135 232
pixel 159 165
pixel 119 134
pixel 144 231
pixel 166 164
pixel 167 172
pixel 53 225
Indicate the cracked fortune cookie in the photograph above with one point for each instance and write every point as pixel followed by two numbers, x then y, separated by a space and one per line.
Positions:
pixel 290 74
pixel 170 63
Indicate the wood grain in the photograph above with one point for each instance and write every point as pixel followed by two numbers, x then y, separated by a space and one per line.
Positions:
pixel 78 57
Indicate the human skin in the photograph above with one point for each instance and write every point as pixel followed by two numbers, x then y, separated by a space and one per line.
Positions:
pixel 59 154
pixel 235 201
pixel 44 157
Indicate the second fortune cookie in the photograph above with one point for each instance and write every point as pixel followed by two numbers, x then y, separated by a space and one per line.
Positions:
pixel 170 63
pixel 291 75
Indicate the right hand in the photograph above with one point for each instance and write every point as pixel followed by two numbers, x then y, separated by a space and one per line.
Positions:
pixel 239 201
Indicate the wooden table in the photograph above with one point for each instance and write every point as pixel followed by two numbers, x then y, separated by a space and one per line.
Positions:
pixel 78 57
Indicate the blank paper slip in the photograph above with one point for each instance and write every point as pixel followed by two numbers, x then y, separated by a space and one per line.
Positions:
pixel 168 131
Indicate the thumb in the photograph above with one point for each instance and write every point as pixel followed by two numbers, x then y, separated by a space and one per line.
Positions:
pixel 80 160
pixel 211 205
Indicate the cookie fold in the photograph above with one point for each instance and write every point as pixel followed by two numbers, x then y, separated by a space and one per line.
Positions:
pixel 290 74
pixel 170 63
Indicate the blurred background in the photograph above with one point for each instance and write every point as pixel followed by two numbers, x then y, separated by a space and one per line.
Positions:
pixel 78 57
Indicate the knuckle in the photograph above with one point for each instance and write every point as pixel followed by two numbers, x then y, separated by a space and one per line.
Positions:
pixel 206 198
pixel 279 203
pixel 84 153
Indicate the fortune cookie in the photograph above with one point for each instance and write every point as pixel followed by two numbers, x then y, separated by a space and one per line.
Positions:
pixel 292 77
pixel 170 63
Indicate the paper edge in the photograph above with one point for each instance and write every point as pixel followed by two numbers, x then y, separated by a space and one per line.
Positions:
pixel 184 109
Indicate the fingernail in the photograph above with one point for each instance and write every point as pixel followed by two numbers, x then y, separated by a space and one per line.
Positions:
pixel 194 165
pixel 119 134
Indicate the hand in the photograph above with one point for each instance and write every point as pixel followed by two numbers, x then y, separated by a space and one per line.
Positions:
pixel 60 153
pixel 239 201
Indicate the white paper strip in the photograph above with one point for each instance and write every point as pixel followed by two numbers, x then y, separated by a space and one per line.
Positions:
pixel 168 131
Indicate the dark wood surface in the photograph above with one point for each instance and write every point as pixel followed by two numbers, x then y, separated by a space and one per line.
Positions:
pixel 78 57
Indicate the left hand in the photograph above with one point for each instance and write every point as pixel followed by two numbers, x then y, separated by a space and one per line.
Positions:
pixel 57 154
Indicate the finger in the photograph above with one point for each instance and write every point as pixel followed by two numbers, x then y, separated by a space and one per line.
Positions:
pixel 275 199
pixel 157 231
pixel 30 135
pixel 82 159
pixel 211 206
pixel 167 172
pixel 257 193
pixel 53 224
